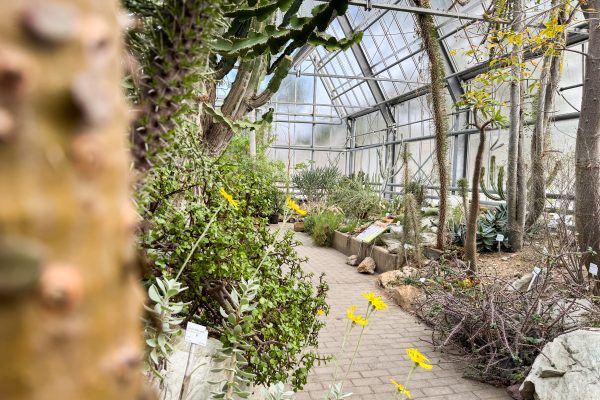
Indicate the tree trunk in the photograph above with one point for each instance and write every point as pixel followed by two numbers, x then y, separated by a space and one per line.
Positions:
pixel 471 237
pixel 540 140
pixel 587 148
pixel 537 193
pixel 69 302
pixel 516 180
pixel 429 35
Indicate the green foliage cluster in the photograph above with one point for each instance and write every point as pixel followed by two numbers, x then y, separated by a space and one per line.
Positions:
pixel 316 183
pixel 355 197
pixel 178 199
pixel 324 225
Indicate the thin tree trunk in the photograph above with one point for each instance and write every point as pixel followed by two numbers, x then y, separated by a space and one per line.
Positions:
pixel 515 180
pixel 429 35
pixel 537 193
pixel 541 138
pixel 587 148
pixel 470 246
pixel 70 305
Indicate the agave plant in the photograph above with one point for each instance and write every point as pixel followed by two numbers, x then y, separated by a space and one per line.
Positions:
pixel 490 225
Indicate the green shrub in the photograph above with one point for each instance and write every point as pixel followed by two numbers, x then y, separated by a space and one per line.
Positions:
pixel 355 197
pixel 179 197
pixel 309 223
pixel 316 183
pixel 325 225
pixel 349 225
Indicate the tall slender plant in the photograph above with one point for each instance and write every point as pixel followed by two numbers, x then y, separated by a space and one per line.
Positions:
pixel 431 43
pixel 553 37
pixel 486 111
pixel 516 182
pixel 587 149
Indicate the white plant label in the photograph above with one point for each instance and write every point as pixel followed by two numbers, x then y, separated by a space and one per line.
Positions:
pixel 196 334
pixel 536 271
pixel 593 269
pixel 500 238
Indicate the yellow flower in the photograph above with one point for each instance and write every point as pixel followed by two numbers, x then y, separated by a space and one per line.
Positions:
pixel 356 319
pixel 291 204
pixel 320 312
pixel 228 197
pixel 375 301
pixel 418 358
pixel 400 388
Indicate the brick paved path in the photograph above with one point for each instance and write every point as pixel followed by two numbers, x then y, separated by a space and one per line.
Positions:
pixel 381 355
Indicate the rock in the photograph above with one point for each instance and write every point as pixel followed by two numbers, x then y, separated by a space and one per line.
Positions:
pixel 390 279
pixel 432 253
pixel 429 239
pixel 410 272
pixel 405 296
pixel 504 258
pixel 367 266
pixel 299 226
pixel 352 260
pixel 568 368
pixel 392 242
pixel 513 391
pixel 522 283
pixel 577 314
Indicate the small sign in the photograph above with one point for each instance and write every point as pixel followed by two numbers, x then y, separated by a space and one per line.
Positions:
pixel 422 280
pixel 536 271
pixel 196 334
pixel 499 237
pixel 372 232
pixel 593 269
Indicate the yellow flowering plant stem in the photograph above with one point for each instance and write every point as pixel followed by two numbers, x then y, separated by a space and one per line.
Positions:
pixel 193 249
pixel 354 353
pixel 344 340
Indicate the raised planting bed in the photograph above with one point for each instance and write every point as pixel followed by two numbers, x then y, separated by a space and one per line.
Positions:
pixel 384 260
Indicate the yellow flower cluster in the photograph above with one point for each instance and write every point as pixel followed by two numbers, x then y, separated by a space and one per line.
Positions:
pixel 401 389
pixel 375 301
pixel 418 358
pixel 356 319
pixel 320 312
pixel 228 197
pixel 292 205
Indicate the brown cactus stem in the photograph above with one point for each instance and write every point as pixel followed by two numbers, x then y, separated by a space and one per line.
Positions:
pixel 69 312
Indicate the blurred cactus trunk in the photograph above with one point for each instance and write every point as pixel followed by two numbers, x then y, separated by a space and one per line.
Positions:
pixel 69 301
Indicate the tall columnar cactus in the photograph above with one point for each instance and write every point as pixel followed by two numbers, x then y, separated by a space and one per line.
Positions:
pixel 497 185
pixel 431 43
pixel 69 302
pixel 169 50
pixel 252 40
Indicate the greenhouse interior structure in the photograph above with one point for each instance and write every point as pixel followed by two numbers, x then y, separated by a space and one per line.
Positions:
pixel 300 199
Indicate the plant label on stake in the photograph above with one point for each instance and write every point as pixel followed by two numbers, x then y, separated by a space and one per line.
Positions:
pixel 499 239
pixel 536 273
pixel 196 334
pixel 593 269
